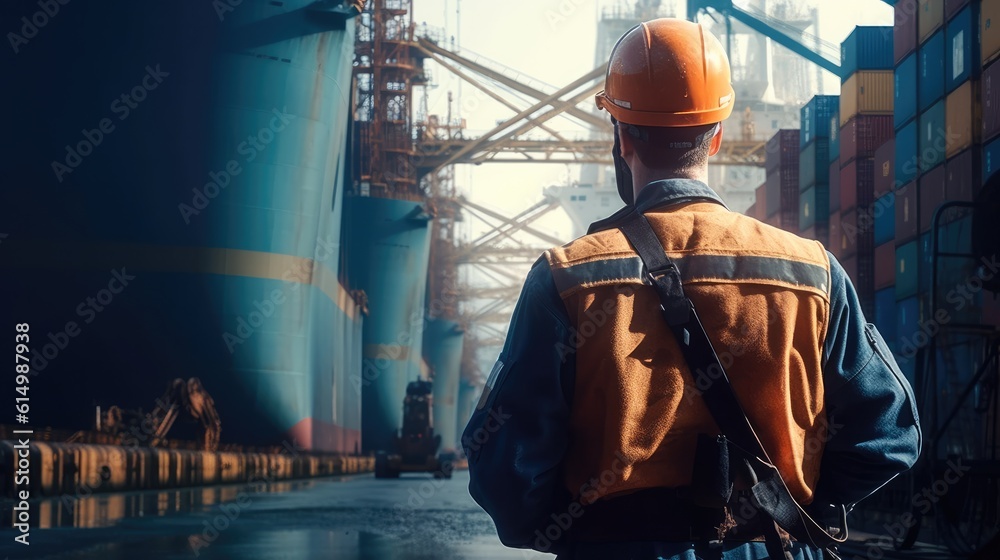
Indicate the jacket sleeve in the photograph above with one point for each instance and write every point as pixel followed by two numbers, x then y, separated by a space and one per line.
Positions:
pixel 517 437
pixel 874 431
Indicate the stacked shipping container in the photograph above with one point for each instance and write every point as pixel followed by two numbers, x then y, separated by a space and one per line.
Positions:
pixel 989 34
pixel 916 70
pixel 892 306
pixel 978 163
pixel 943 154
pixel 906 139
pixel 782 182
pixel 866 121
pixel 814 161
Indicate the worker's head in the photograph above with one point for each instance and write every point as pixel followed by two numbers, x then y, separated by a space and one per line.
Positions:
pixel 668 90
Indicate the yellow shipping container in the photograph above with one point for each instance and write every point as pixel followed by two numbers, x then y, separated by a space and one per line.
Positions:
pixel 963 116
pixel 869 92
pixel 930 17
pixel 989 32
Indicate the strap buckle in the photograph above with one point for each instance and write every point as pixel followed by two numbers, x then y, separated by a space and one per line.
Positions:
pixel 657 273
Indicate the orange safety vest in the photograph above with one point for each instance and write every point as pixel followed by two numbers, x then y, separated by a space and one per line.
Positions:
pixel 763 296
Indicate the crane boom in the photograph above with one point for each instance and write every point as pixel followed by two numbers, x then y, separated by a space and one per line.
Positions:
pixel 764 27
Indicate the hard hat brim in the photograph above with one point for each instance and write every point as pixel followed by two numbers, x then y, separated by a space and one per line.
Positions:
pixel 649 118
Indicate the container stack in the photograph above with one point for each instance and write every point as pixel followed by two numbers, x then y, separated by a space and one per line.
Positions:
pixel 760 203
pixel 866 123
pixel 918 127
pixel 833 173
pixel 782 182
pixel 989 33
pixel 919 82
pixel 903 138
pixel 897 308
pixel 814 161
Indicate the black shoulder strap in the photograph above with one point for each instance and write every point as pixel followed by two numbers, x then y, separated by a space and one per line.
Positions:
pixel 771 492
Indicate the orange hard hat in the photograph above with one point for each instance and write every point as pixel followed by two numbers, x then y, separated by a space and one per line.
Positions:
pixel 668 72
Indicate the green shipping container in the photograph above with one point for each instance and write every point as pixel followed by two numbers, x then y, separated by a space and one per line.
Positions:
pixel 907 270
pixel 814 208
pixel 933 137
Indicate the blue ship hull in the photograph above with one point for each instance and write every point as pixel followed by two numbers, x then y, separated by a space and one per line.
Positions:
pixel 182 210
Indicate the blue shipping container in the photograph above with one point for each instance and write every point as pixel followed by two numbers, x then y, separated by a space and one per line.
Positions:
pixel 931 86
pixel 884 212
pixel 885 315
pixel 904 105
pixel 867 48
pixel 906 154
pixel 907 365
pixel 933 137
pixel 958 356
pixel 957 279
pixel 907 267
pixel 962 44
pixel 815 116
pixel 814 164
pixel 834 128
pixel 991 159
pixel 924 278
pixel 907 334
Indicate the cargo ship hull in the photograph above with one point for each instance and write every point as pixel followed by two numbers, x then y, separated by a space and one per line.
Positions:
pixel 179 216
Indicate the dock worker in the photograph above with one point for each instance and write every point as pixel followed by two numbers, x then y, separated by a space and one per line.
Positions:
pixel 587 437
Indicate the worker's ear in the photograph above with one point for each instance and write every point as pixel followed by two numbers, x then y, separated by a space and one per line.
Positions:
pixel 716 142
pixel 626 142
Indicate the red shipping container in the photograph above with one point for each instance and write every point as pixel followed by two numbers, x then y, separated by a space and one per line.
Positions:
pixel 864 280
pixel 931 190
pixel 772 194
pixel 885 265
pixel 904 31
pixel 774 220
pixel 907 226
pixel 781 149
pixel 951 7
pixel 850 265
pixel 991 100
pixel 760 202
pixel 849 232
pixel 782 186
pixel 991 309
pixel 833 243
pixel 790 210
pixel 964 175
pixel 862 135
pixel 885 168
pixel 857 184
pixel 835 186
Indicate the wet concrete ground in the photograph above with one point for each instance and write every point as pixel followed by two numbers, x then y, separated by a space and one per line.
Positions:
pixel 413 518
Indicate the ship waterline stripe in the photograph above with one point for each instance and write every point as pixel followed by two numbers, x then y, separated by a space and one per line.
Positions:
pixel 695 268
pixel 392 352
pixel 191 260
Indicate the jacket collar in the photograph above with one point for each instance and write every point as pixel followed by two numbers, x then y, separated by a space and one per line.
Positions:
pixel 665 192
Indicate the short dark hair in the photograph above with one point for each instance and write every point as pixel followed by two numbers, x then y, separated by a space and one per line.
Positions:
pixel 674 148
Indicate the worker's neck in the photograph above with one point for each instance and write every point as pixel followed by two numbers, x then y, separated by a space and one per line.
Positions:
pixel 642 176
